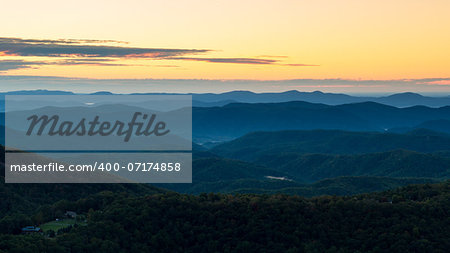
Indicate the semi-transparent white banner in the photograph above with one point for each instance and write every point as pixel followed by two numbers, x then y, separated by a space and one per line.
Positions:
pixel 89 130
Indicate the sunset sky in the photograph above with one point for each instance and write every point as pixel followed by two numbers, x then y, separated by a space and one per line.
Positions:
pixel 374 43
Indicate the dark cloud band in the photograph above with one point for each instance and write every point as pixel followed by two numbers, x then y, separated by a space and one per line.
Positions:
pixel 18 64
pixel 65 48
pixel 257 61
pixel 228 60
pixel 102 53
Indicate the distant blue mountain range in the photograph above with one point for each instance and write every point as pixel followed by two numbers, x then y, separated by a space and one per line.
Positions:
pixel 220 117
pixel 406 99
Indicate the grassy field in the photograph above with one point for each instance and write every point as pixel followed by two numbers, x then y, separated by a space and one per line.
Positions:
pixel 55 225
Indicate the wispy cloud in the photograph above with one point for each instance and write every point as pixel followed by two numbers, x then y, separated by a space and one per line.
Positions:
pixel 229 60
pixel 108 53
pixel 257 61
pixel 437 82
pixel 88 61
pixel 6 65
pixel 60 41
pixel 79 48
pixel 18 64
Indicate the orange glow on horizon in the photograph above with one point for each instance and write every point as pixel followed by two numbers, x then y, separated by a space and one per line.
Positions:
pixel 275 40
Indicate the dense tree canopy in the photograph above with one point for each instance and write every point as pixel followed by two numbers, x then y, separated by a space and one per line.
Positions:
pixel 409 219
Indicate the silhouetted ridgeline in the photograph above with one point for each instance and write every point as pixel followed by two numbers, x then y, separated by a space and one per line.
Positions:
pixel 405 99
pixel 258 144
pixel 224 121
pixel 234 120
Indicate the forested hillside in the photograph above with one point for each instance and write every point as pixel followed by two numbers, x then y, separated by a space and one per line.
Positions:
pixel 409 219
pixel 20 201
pixel 258 144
